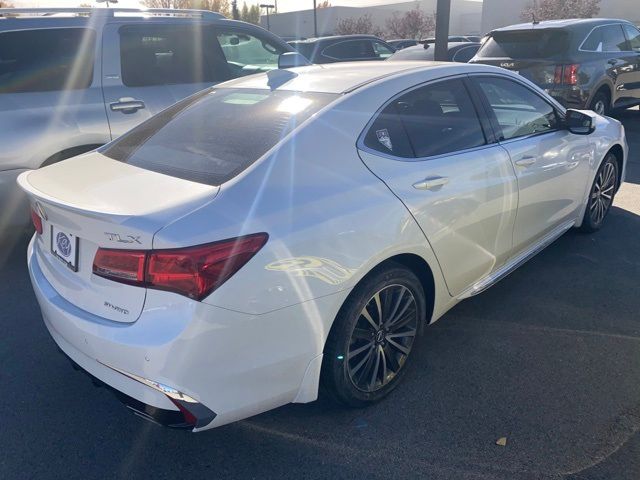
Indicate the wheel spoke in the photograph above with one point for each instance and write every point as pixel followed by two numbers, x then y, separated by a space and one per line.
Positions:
pixel 361 334
pixel 359 350
pixel 366 358
pixel 393 362
pixel 399 347
pixel 409 333
pixel 376 297
pixel 365 314
pixel 397 304
pixel 374 373
pixel 392 320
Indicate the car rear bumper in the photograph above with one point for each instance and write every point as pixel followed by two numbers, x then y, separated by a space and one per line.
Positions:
pixel 215 360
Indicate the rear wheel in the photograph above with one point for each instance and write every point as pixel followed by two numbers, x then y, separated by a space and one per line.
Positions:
pixel 601 194
pixel 373 336
pixel 601 103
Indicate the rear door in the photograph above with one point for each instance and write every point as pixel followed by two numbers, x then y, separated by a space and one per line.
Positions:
pixel 429 147
pixel 633 38
pixel 552 165
pixel 147 67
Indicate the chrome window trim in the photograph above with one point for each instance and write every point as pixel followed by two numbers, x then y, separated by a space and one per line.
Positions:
pixel 620 24
pixel 360 145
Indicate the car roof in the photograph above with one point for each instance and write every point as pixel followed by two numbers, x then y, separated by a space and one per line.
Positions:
pixel 339 77
pixel 334 38
pixel 565 23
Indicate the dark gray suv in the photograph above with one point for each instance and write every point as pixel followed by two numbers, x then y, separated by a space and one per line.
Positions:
pixel 590 63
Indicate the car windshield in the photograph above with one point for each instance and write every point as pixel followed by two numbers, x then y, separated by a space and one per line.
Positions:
pixel 213 137
pixel 528 44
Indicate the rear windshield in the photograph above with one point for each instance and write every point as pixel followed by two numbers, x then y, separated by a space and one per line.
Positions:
pixel 530 44
pixel 214 136
pixel 305 48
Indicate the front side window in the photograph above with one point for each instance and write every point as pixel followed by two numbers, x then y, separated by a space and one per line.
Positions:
pixel 166 55
pixel 518 111
pixel 431 120
pixel 381 50
pixel 634 37
pixel 350 50
pixel 212 137
pixel 247 54
pixel 45 60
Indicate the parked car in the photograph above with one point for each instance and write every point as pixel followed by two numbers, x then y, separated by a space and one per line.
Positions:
pixel 588 63
pixel 72 82
pixel 301 228
pixel 457 52
pixel 399 44
pixel 343 48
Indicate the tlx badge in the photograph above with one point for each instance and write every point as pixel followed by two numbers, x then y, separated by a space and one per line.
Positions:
pixel 116 237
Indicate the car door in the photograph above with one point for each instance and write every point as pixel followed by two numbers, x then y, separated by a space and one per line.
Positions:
pixel 610 43
pixel 633 38
pixel 551 164
pixel 147 67
pixel 349 51
pixel 430 147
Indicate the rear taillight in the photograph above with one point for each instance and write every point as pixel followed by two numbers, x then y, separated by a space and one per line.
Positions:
pixel 570 76
pixel 126 266
pixel 566 74
pixel 193 271
pixel 37 221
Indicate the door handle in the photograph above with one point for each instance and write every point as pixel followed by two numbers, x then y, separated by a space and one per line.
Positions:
pixel 127 105
pixel 431 183
pixel 526 161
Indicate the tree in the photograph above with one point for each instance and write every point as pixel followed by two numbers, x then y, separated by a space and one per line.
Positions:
pixel 165 3
pixel 358 25
pixel 324 4
pixel 554 9
pixel 6 4
pixel 413 24
pixel 235 13
pixel 253 15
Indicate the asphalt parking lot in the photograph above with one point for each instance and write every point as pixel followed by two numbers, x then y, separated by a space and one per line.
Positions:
pixel 549 358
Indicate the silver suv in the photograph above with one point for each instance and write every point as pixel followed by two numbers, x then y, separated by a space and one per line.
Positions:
pixel 74 79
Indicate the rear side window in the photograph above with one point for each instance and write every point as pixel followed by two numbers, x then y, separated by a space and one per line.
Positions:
pixel 608 38
pixel 431 120
pixel 351 49
pixel 381 50
pixel 212 137
pixel 46 60
pixel 465 54
pixel 527 44
pixel 167 55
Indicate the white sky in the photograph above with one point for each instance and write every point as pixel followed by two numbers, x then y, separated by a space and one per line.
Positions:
pixel 283 5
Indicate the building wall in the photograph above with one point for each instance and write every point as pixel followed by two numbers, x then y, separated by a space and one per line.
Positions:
pixel 500 13
pixel 465 17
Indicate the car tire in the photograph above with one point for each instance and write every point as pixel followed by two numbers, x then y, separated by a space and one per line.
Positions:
pixel 601 103
pixel 601 194
pixel 366 354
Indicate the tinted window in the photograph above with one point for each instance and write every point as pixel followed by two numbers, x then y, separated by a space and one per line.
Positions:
pixel 213 137
pixel 247 54
pixel 634 37
pixel 308 49
pixel 161 55
pixel 437 119
pixel 381 50
pixel 525 44
pixel 351 49
pixel 46 60
pixel 608 38
pixel 465 54
pixel 518 110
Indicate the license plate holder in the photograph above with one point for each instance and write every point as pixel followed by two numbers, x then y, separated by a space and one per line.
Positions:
pixel 64 246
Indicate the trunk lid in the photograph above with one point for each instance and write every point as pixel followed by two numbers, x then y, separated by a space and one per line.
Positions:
pixel 103 203
pixel 540 72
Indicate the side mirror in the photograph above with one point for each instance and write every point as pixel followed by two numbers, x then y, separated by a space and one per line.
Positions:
pixel 580 123
pixel 292 59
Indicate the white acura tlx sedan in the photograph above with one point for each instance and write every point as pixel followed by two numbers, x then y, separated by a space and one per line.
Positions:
pixel 296 230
